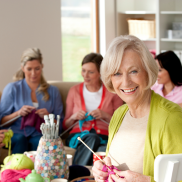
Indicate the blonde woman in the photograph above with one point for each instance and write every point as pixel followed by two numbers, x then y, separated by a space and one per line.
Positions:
pixel 29 91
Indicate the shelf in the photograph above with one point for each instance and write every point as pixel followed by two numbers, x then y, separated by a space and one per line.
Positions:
pixel 164 12
pixel 171 40
pixel 151 39
pixel 138 12
pixel 171 12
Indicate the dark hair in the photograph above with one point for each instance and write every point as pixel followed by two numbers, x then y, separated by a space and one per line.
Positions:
pixel 170 61
pixel 93 58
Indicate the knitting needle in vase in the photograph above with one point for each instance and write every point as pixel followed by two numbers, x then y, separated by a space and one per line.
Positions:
pixel 97 156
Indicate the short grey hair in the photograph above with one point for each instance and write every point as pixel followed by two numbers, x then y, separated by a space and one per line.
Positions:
pixel 112 60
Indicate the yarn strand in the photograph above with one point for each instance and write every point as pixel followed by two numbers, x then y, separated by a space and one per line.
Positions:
pixel 7 140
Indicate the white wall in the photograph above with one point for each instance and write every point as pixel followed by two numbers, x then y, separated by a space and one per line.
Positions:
pixel 107 24
pixel 30 23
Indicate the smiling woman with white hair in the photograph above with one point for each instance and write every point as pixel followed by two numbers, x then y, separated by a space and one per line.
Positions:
pixel 144 127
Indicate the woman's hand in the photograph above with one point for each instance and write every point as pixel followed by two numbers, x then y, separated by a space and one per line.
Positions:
pixel 129 176
pixel 80 115
pixel 25 110
pixel 99 114
pixel 2 137
pixel 42 112
pixel 99 175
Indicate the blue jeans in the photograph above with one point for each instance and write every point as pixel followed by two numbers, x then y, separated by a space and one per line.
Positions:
pixel 20 143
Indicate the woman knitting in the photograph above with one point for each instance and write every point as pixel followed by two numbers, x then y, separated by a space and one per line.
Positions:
pixel 89 102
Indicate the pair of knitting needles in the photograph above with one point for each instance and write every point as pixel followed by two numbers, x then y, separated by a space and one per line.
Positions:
pixel 77 123
pixel 97 156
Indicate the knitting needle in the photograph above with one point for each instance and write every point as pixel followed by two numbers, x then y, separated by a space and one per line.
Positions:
pixel 90 149
pixel 68 129
pixel 46 118
pixel 4 124
pixel 53 131
pixel 104 121
pixel 41 128
pixel 51 118
pixel 45 131
pixel 57 125
pixel 96 155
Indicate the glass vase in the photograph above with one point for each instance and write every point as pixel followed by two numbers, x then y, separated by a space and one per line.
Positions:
pixel 51 161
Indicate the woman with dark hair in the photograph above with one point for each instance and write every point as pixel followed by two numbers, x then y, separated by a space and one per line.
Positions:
pixel 90 102
pixel 169 80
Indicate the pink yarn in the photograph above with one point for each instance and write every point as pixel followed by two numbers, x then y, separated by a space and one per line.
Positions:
pixel 105 169
pixel 14 175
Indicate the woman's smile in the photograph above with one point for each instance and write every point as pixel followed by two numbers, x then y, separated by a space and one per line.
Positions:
pixel 129 91
pixel 86 80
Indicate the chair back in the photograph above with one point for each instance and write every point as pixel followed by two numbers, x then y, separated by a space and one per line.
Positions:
pixel 168 168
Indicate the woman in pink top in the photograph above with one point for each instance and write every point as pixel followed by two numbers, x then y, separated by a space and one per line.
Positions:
pixel 92 98
pixel 169 81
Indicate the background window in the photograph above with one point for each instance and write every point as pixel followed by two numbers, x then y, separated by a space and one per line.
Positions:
pixel 76 21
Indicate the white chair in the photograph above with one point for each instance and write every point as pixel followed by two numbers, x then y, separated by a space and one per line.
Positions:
pixel 168 168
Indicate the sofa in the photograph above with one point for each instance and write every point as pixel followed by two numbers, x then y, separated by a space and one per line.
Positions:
pixel 63 89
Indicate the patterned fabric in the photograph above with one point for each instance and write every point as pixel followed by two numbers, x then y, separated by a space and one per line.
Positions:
pixel 83 179
pixel 51 161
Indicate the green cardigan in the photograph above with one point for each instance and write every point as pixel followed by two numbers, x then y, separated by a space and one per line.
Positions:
pixel 164 130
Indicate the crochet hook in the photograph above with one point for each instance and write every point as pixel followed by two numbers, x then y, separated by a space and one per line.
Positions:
pixel 97 156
